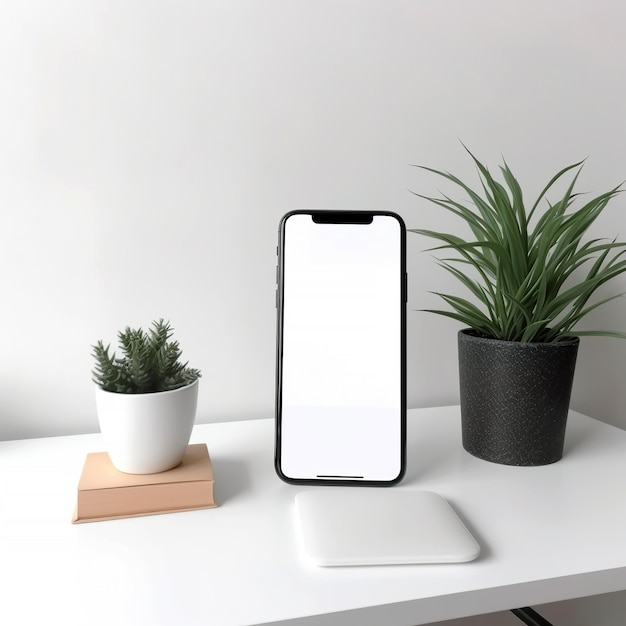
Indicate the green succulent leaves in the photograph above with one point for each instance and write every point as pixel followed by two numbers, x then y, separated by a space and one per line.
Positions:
pixel 150 362
pixel 530 272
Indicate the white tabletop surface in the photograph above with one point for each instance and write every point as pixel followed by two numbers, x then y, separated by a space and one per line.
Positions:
pixel 546 534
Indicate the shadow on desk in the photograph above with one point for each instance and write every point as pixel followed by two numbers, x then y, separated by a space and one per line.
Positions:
pixel 232 478
pixel 585 436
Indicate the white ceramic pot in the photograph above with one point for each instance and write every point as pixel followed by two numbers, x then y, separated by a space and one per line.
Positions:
pixel 146 433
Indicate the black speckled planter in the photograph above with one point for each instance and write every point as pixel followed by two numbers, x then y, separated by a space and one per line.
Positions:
pixel 515 398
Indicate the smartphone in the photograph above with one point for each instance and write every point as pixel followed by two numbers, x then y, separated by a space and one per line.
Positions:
pixel 341 348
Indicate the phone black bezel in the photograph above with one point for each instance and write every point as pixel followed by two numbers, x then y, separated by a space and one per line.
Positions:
pixel 339 217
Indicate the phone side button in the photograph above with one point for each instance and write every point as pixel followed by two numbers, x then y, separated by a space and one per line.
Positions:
pixel 276 300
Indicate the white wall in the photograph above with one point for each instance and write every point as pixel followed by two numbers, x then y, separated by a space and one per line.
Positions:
pixel 149 147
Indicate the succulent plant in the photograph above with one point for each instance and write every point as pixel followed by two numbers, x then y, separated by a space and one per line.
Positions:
pixel 150 362
pixel 530 273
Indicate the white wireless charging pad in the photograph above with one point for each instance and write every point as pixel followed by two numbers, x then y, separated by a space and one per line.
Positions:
pixel 380 526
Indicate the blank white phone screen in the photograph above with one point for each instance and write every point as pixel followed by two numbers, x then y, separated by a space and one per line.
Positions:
pixel 341 391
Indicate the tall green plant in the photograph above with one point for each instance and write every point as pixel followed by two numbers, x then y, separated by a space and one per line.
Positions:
pixel 150 362
pixel 531 273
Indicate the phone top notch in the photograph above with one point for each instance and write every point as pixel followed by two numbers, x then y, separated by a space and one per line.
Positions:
pixel 342 217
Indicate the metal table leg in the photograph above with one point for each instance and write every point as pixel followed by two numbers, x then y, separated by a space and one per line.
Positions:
pixel 530 617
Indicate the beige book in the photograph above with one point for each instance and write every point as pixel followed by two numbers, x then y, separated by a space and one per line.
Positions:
pixel 106 493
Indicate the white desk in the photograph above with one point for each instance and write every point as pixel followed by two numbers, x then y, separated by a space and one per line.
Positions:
pixel 547 534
